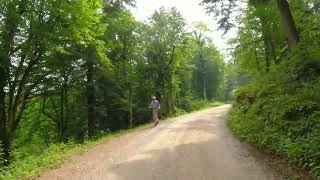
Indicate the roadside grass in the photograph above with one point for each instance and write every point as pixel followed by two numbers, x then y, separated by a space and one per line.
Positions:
pixel 200 105
pixel 281 118
pixel 33 166
pixel 252 133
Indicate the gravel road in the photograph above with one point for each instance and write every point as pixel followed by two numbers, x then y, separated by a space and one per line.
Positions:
pixel 197 146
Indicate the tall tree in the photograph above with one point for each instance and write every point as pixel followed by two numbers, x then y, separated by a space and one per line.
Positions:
pixel 201 35
pixel 122 39
pixel 165 36
pixel 225 10
pixel 288 22
pixel 31 32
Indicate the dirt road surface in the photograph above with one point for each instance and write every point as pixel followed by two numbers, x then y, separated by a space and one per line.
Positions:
pixel 196 146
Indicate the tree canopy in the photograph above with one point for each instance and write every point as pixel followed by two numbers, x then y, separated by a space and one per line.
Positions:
pixel 276 58
pixel 77 69
pixel 71 71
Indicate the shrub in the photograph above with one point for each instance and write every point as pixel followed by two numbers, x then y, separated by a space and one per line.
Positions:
pixel 281 111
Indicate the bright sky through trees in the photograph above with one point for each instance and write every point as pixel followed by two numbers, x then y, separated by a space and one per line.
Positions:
pixel 192 12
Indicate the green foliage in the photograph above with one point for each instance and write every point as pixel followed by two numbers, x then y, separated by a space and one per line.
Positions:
pixel 279 108
pixel 73 69
pixel 282 111
pixel 32 165
pixel 190 104
pixel 208 73
pixel 35 163
pixel 43 46
pixel 1 157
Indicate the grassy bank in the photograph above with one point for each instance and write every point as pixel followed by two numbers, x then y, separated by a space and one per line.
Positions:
pixel 282 117
pixel 35 165
pixel 196 106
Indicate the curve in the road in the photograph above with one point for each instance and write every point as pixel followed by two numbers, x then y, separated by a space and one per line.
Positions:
pixel 197 146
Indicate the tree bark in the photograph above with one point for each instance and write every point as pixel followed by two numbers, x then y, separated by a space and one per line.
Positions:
pixel 4 131
pixel 171 103
pixel 61 119
pixel 66 110
pixel 265 31
pixel 7 36
pixel 126 78
pixel 170 96
pixel 267 53
pixel 204 76
pixel 62 124
pixel 131 108
pixel 288 22
pixel 204 88
pixel 273 52
pixel 267 43
pixel 5 147
pixel 91 100
pixel 257 60
pixel 4 136
pixel 202 61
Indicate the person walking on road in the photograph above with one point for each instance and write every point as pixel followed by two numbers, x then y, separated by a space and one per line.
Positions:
pixel 155 106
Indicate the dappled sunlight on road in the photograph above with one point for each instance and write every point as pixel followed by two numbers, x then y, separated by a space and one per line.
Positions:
pixel 197 146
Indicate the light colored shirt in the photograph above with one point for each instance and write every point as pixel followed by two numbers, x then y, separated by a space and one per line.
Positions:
pixel 155 104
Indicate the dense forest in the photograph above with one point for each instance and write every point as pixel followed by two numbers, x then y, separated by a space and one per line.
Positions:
pixel 277 54
pixel 73 70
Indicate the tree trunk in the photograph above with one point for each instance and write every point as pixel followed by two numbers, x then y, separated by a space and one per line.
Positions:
pixel 4 136
pixel 265 31
pixel 171 101
pixel 204 74
pixel 204 88
pixel 130 108
pixel 288 22
pixel 267 51
pixel 4 131
pixel 204 84
pixel 266 41
pixel 67 112
pixel 126 78
pixel 91 100
pixel 61 119
pixel 171 97
pixel 7 125
pixel 274 54
pixel 106 107
pixel 257 60
pixel 5 147
pixel 64 113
